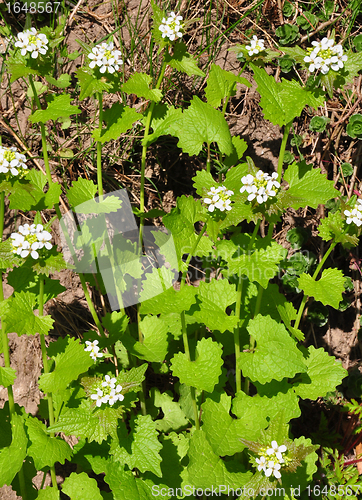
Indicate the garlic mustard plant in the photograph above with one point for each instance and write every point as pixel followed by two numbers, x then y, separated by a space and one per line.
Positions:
pixel 108 392
pixel 325 55
pixel 12 161
pixel 261 186
pixel 256 46
pixel 105 57
pixel 355 215
pixel 93 349
pixel 32 42
pixel 30 239
pixel 172 27
pixel 219 198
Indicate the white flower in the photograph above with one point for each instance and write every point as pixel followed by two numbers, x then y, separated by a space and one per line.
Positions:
pixel 219 198
pixel 255 46
pixel 273 468
pixel 262 186
pixel 277 451
pixel 325 55
pixel 11 160
pixel 172 27
pixel 98 397
pixel 29 239
pixel 105 57
pixel 30 41
pixel 261 463
pixel 355 215
pixel 109 382
pixel 91 345
pixel 113 397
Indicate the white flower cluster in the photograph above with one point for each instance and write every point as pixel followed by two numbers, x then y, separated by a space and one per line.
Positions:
pixel 255 46
pixel 261 186
pixel 33 42
pixel 355 215
pixel 108 392
pixel 93 348
pixel 29 239
pixel 172 27
pixel 219 198
pixel 105 57
pixel 271 459
pixel 11 160
pixel 325 55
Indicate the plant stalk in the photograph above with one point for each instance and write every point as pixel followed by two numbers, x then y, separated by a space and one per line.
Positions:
pixel 282 149
pixel 99 148
pixel 305 298
pixel 49 396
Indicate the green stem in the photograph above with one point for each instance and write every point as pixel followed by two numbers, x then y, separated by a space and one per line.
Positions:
pixel 59 215
pixel 184 330
pixel 305 298
pixel 43 135
pixel 99 148
pixel 208 160
pixel 46 370
pixel 5 349
pixel 239 293
pixel 142 209
pixel 282 148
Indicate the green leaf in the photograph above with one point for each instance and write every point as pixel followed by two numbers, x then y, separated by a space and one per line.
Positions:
pixel 7 376
pixel 141 447
pixel 261 265
pixel 204 372
pixel 89 84
pixel 332 227
pixel 18 316
pixel 182 60
pixel 48 493
pixel 318 123
pixel 52 262
pixel 61 83
pixel 19 70
pixel 119 119
pixel 308 186
pixel 70 362
pixel 276 354
pixel 45 450
pixel 224 432
pixel 59 106
pixel 221 84
pixel 354 127
pixel 169 301
pixel 202 123
pixel 240 146
pixel 213 298
pixel 139 84
pixel 81 486
pixel 207 469
pixel 8 259
pixel 181 222
pixel 12 457
pixel 174 418
pixel 328 289
pixel 287 33
pixel 155 344
pixel 81 191
pixel 282 102
pixel 324 375
pixel 30 195
pixel 164 122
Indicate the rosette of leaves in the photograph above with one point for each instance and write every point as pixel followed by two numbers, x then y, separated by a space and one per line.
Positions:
pixel 317 314
pixel 318 123
pixel 287 33
pixel 297 236
pixel 354 127
pixel 286 63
